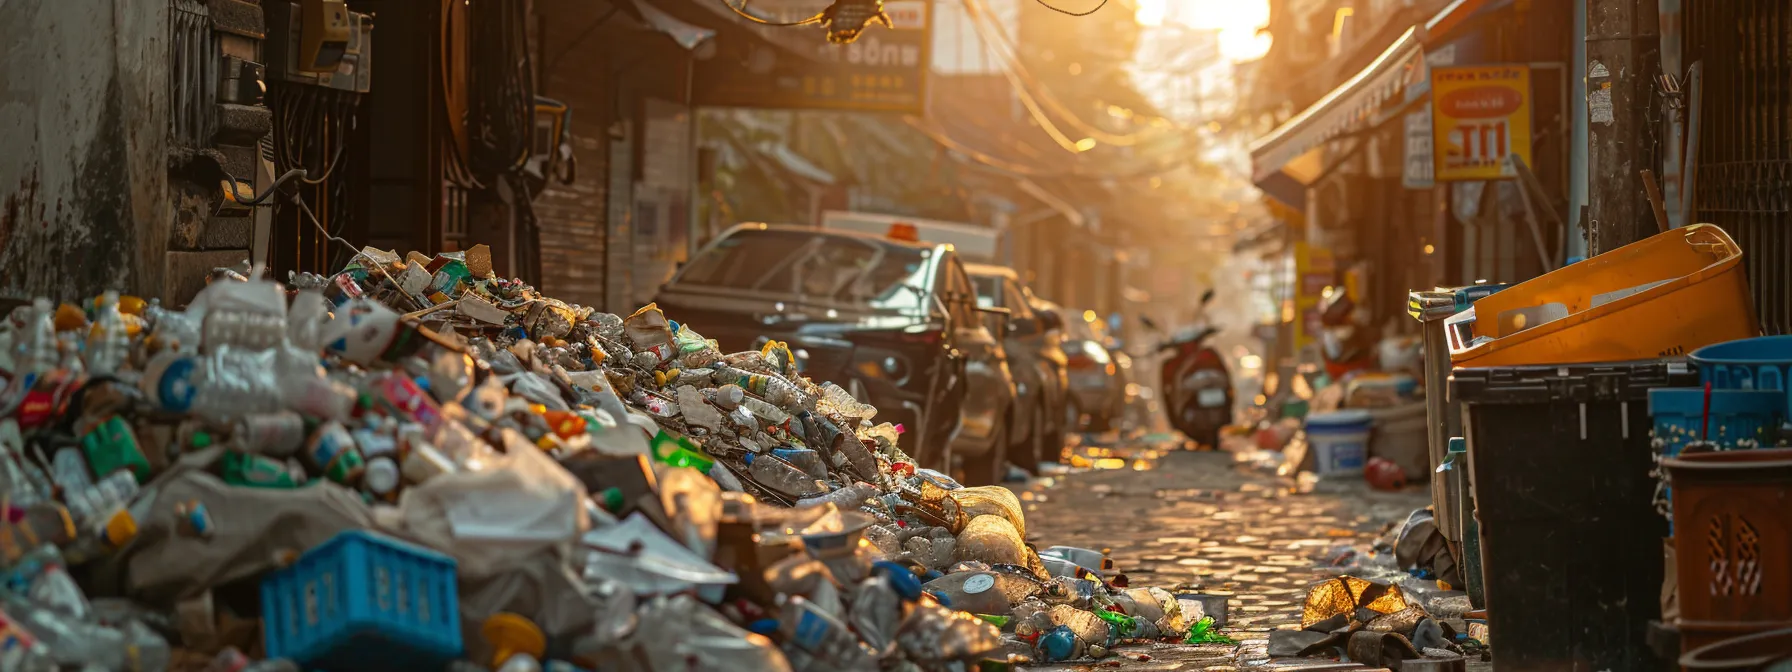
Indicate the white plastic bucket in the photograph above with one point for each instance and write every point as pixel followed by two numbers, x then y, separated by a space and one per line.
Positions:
pixel 1340 442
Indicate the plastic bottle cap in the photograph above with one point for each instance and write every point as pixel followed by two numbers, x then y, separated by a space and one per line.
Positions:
pixel 381 475
pixel 202 439
pixel 121 529
pixel 510 635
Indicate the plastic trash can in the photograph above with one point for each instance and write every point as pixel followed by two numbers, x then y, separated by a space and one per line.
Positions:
pixel 1663 296
pixel 1570 540
pixel 1749 364
pixel 1340 442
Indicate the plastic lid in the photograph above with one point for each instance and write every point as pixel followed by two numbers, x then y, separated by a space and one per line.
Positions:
pixel 1348 416
pixel 381 475
pixel 121 528
pixel 202 439
pixel 511 634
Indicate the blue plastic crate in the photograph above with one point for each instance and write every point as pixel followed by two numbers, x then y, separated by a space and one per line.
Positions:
pixel 1749 364
pixel 1679 414
pixel 364 602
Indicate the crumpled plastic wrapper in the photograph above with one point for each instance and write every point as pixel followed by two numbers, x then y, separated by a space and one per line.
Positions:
pixel 991 539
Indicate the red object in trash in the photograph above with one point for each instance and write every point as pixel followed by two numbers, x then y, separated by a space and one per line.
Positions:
pixel 1383 474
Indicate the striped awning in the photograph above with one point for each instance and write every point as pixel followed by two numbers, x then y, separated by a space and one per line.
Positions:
pixel 1398 76
pixel 1291 148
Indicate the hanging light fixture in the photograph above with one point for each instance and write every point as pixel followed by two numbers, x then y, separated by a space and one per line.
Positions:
pixel 844 20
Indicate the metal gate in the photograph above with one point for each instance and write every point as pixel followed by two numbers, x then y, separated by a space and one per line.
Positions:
pixel 1745 144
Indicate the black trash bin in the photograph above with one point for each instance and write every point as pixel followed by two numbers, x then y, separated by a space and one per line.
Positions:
pixel 1570 541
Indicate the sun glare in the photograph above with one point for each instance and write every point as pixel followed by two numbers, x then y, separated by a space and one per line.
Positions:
pixel 1150 12
pixel 1237 21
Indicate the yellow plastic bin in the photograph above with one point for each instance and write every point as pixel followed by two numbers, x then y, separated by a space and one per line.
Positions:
pixel 1659 297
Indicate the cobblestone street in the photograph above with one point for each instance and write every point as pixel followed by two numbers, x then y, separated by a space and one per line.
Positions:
pixel 1196 522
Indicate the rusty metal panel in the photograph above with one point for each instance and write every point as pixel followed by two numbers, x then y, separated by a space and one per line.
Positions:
pixel 1745 145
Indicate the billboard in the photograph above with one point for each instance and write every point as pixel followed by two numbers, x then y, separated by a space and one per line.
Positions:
pixel 1480 116
pixel 885 70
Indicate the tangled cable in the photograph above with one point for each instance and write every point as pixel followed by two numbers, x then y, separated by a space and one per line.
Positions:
pixel 501 107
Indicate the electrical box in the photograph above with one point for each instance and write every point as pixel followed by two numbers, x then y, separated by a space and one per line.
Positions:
pixel 311 44
pixel 324 34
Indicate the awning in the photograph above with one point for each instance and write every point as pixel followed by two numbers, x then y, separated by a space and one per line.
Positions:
pixel 1295 148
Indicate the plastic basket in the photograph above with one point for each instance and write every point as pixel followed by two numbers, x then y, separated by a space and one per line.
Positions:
pixel 1749 364
pixel 1736 415
pixel 1734 565
pixel 363 602
pixel 1659 297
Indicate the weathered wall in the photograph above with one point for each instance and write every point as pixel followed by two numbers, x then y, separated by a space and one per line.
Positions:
pixel 83 146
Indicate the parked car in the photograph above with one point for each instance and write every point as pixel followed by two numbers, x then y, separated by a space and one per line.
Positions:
pixel 896 323
pixel 1097 388
pixel 1036 360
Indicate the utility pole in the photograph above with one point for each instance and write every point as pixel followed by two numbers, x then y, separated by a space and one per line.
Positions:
pixel 1623 58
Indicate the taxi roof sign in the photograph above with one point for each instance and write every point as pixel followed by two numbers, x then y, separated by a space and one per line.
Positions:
pixel 905 232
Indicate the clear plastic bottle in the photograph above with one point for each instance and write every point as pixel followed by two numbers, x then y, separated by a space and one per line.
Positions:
pixel 37 350
pixel 98 502
pixel 69 641
pixel 108 342
pixel 236 382
pixel 814 630
pixel 1087 626
pixel 68 469
pixel 782 477
pixel 805 459
pixel 45 579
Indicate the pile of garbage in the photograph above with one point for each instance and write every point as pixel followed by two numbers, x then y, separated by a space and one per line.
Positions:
pixel 416 464
pixel 1375 623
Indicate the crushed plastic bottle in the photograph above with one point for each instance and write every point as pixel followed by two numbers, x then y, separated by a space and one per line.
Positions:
pixel 822 635
pixel 782 477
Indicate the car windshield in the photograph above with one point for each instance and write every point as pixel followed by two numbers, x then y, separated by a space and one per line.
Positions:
pixel 989 287
pixel 1078 329
pixel 814 267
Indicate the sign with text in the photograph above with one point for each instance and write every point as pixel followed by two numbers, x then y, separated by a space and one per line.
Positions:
pixel 885 70
pixel 1420 163
pixel 1480 116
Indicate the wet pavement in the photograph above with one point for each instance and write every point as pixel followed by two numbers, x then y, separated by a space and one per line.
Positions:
pixel 1197 522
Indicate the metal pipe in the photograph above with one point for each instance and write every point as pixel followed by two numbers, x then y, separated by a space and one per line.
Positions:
pixel 1689 201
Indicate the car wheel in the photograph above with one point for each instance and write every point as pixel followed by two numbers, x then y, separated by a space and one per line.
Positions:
pixel 1026 454
pixel 990 468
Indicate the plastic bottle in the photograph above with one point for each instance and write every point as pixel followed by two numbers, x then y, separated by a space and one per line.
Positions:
pixel 37 347
pixel 98 502
pixel 43 575
pixel 1085 623
pixel 381 476
pixel 233 382
pixel 71 642
pixel 42 523
pixel 109 341
pixel 782 477
pixel 805 459
pixel 68 470
pixel 811 629
pixel 19 649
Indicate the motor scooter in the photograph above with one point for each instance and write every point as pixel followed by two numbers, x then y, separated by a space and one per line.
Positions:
pixel 1197 388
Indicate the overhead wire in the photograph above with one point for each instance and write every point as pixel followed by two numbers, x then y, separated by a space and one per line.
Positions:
pixel 742 11
pixel 1002 45
pixel 1059 10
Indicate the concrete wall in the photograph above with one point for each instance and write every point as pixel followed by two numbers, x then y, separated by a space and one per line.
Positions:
pixel 83 146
